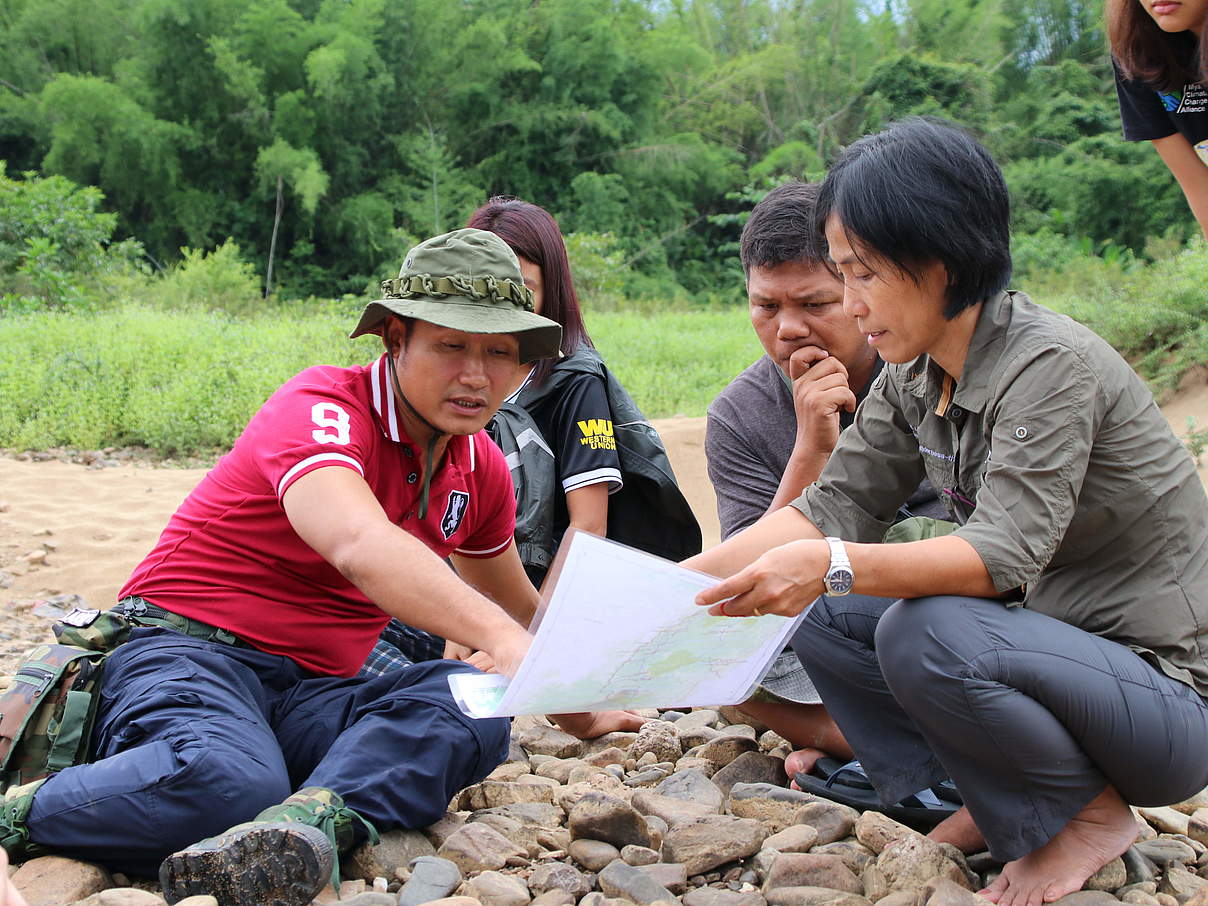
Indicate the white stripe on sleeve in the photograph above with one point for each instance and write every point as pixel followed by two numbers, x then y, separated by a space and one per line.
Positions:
pixel 485 553
pixel 310 461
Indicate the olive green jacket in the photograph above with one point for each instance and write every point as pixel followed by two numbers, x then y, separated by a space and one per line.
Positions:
pixel 1066 478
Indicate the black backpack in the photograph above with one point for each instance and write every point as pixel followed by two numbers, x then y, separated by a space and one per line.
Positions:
pixel 649 512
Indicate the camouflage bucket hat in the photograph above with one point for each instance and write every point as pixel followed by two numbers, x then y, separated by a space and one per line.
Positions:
pixel 467 280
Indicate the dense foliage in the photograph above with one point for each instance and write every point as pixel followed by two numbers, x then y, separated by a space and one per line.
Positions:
pixel 324 136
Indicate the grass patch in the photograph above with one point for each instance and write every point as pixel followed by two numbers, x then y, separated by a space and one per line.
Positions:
pixel 187 382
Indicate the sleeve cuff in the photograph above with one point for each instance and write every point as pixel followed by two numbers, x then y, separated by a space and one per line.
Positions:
pixel 1006 572
pixel 595 476
pixel 839 517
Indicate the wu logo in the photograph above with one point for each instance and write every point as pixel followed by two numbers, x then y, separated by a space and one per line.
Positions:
pixel 597 434
pixel 455 511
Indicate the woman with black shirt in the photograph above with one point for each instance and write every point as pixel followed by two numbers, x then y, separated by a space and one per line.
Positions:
pixel 576 422
pixel 1162 84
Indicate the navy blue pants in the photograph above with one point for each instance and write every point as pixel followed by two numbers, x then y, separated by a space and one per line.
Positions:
pixel 1031 717
pixel 193 737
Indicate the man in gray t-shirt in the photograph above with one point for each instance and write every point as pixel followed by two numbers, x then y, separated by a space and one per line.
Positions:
pixel 770 432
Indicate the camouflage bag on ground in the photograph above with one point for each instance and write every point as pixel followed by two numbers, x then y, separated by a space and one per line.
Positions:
pixel 47 712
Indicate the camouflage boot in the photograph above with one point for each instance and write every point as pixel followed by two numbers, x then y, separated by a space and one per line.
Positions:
pixel 282 857
pixel 14 810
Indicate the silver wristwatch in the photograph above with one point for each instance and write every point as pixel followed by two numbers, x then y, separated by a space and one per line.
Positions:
pixel 839 578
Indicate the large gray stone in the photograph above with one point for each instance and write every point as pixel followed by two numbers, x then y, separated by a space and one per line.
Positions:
pixel 1197 826
pixel 669 808
pixel 1165 850
pixel 799 838
pixel 397 849
pixel 832 821
pixel 1180 883
pixel 54 880
pixel 911 861
pixel 810 870
pixel 496 793
pixel 704 844
pixel 1111 876
pixel 523 835
pixel 750 767
pixel 508 771
pixel 432 878
pixel 877 831
pixel 558 876
pixel 671 875
pixel 876 885
pixel 702 717
pixel 623 881
pixel 619 739
pixel 492 888
pixel 539 740
pixel 479 847
pixel 693 786
pixel 1139 869
pixel 638 855
pixel 559 768
pixel 855 856
pixel 775 806
pixel 569 795
pixel 593 854
pixel 658 738
pixel 647 778
pixel 439 832
pixel 1165 819
pixel 598 816
pixel 724 749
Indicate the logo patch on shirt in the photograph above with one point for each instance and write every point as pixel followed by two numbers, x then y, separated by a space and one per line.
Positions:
pixel 455 511
pixel 597 434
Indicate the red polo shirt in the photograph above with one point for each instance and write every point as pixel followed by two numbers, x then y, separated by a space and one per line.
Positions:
pixel 230 558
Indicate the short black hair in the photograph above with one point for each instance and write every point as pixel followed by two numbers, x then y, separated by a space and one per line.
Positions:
pixel 925 190
pixel 783 227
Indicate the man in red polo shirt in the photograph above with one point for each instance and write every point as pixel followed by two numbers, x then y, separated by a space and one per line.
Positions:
pixel 236 698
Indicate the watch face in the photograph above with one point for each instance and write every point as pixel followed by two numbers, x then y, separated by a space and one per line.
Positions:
pixel 839 581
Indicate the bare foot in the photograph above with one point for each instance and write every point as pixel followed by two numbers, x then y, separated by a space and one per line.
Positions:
pixel 959 830
pixel 801 762
pixel 1095 836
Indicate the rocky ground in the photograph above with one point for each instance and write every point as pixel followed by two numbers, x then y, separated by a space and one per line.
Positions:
pixel 694 810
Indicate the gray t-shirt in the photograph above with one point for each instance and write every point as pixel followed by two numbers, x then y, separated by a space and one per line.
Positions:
pixel 749 436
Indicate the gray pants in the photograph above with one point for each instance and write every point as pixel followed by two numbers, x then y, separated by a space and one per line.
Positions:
pixel 1031 717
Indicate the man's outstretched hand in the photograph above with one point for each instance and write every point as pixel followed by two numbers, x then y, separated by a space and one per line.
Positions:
pixel 590 724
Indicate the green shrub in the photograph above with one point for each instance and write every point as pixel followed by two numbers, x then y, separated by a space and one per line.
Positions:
pixel 219 280
pixel 55 246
